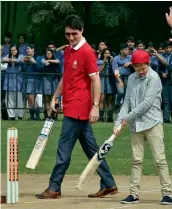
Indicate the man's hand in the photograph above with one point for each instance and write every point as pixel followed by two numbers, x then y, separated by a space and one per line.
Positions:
pixel 94 114
pixel 54 101
pixel 169 17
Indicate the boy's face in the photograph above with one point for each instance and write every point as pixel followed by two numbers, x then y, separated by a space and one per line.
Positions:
pixel 7 40
pixel 124 52
pixel 141 69
pixel 73 36
pixel 168 49
pixel 160 50
pixel 21 40
pixel 130 44
pixel 140 46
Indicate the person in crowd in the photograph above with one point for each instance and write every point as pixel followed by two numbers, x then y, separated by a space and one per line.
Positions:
pixel 121 66
pixel 22 44
pixel 166 74
pixel 101 46
pixel 160 48
pixel 131 44
pixel 105 69
pixel 32 82
pixel 140 44
pixel 156 60
pixel 4 114
pixel 50 66
pixel 13 84
pixel 142 111
pixel 6 46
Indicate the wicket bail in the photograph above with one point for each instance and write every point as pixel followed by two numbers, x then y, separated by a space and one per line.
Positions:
pixel 12 166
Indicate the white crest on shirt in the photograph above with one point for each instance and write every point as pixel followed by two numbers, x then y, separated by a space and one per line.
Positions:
pixel 75 63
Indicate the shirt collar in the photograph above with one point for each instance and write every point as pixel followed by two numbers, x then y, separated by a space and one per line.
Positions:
pixel 80 44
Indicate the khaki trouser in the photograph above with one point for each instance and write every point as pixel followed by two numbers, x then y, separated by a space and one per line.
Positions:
pixel 154 136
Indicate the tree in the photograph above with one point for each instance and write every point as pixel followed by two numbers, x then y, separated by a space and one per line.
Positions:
pixel 46 13
pixel 107 14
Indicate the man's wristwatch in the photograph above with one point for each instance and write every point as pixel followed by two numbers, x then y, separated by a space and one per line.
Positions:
pixel 96 104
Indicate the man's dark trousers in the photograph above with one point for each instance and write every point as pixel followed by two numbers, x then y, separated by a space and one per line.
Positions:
pixel 73 129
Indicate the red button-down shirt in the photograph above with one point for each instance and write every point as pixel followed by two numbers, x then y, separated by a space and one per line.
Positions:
pixel 79 64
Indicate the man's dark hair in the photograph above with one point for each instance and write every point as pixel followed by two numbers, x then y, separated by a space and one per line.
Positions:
pixel 150 44
pixel 139 42
pixel 161 45
pixel 74 22
pixel 123 46
pixel 103 41
pixel 22 34
pixel 8 35
pixel 130 38
pixel 32 46
pixel 52 43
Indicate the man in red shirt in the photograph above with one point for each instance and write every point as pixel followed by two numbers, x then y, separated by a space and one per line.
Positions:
pixel 80 76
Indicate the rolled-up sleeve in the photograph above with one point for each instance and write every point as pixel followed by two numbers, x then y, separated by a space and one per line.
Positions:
pixel 115 64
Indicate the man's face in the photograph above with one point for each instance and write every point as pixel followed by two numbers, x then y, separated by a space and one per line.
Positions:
pixel 21 40
pixel 102 46
pixel 168 49
pixel 160 50
pixel 140 46
pixel 130 44
pixel 141 69
pixel 7 40
pixel 52 47
pixel 73 36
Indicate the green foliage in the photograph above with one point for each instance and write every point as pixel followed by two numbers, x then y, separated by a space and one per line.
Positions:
pixel 45 13
pixel 107 14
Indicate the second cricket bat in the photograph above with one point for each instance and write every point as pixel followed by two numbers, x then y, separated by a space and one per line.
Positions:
pixel 94 163
pixel 40 144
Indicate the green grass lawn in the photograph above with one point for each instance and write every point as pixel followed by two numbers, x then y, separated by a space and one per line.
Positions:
pixel 119 158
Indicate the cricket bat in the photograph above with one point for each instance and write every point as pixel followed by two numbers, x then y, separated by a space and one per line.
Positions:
pixel 40 143
pixel 94 163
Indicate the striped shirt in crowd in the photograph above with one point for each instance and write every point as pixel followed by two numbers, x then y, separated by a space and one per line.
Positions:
pixel 142 103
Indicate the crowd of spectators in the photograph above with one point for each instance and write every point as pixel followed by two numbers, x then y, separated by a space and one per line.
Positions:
pixel 25 74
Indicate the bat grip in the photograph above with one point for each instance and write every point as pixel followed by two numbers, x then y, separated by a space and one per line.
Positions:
pixel 113 136
pixel 53 112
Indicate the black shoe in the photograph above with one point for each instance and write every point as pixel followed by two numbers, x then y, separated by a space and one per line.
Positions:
pixel 11 118
pixel 20 118
pixel 166 200
pixel 130 200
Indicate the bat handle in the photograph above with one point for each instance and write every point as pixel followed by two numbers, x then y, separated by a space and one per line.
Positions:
pixel 53 112
pixel 113 136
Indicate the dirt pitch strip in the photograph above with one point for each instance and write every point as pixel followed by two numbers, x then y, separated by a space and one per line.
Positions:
pixel 29 185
